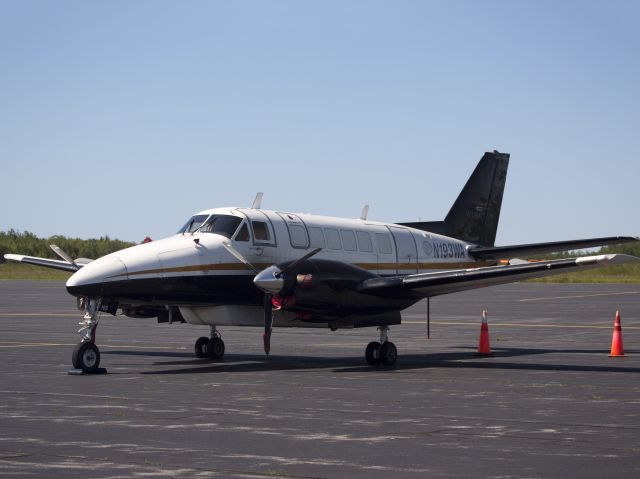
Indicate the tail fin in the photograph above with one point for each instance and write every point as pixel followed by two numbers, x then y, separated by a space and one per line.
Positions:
pixel 475 213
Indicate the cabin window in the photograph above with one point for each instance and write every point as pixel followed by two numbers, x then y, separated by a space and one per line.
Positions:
pixel 384 243
pixel 333 238
pixel 243 234
pixel 316 237
pixel 428 248
pixel 298 236
pixel 349 240
pixel 260 231
pixel 364 242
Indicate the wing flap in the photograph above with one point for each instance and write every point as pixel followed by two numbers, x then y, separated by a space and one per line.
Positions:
pixel 443 282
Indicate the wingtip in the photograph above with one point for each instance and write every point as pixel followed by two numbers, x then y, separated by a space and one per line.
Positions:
pixel 617 258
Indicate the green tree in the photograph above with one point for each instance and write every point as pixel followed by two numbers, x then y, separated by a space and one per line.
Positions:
pixel 29 244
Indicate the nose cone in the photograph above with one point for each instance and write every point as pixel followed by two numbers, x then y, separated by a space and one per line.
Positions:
pixel 268 281
pixel 89 280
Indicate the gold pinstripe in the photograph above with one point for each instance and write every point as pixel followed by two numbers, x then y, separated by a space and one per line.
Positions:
pixel 260 266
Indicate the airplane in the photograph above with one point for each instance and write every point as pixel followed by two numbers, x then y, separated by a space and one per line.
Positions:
pixel 239 266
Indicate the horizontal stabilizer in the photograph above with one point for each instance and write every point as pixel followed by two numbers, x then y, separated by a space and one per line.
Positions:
pixel 48 263
pixel 508 252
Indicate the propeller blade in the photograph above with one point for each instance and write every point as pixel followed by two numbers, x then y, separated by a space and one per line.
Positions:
pixel 268 323
pixel 57 250
pixel 298 261
pixel 236 254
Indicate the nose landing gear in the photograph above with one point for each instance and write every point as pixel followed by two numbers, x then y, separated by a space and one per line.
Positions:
pixel 86 355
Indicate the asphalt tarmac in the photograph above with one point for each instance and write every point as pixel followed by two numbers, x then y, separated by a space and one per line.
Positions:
pixel 549 404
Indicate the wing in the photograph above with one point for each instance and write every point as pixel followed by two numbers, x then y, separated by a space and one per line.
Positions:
pixel 48 263
pixel 443 282
pixel 507 252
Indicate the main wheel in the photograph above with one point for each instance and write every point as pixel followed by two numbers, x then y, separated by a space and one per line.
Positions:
pixel 216 348
pixel 201 347
pixel 372 353
pixel 86 356
pixel 388 353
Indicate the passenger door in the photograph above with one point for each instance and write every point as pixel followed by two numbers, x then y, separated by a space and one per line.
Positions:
pixel 406 252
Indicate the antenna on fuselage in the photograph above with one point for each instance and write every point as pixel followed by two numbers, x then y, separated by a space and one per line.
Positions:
pixel 257 202
pixel 365 212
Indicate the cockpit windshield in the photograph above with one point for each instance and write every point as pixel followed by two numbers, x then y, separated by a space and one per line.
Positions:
pixel 224 225
pixel 193 224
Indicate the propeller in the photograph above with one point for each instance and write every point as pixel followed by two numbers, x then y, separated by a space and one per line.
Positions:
pixel 297 262
pixel 271 281
pixel 59 251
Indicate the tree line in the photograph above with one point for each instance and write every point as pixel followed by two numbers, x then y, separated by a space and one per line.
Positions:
pixel 632 249
pixel 27 243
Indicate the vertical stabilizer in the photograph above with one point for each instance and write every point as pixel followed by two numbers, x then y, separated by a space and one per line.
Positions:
pixel 475 213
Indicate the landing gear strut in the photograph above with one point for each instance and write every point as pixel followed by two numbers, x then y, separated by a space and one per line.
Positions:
pixel 384 352
pixel 86 355
pixel 212 348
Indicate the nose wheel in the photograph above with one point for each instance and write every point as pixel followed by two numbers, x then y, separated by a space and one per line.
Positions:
pixel 86 356
pixel 382 352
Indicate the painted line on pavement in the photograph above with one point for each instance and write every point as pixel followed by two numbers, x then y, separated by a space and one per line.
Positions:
pixel 12 344
pixel 578 296
pixel 521 325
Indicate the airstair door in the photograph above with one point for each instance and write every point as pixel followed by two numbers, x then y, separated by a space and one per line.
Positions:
pixel 406 251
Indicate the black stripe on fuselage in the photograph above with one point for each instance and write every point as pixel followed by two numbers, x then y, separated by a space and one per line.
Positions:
pixel 209 289
pixel 197 289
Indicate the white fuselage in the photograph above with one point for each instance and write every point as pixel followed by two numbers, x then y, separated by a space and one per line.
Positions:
pixel 157 272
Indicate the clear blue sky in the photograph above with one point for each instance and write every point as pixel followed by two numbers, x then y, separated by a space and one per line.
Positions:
pixel 125 117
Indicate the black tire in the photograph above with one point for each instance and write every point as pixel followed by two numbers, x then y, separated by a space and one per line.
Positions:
pixel 372 353
pixel 201 347
pixel 86 356
pixel 74 356
pixel 216 348
pixel 388 353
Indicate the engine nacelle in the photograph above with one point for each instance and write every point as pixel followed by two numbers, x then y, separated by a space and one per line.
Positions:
pixel 325 290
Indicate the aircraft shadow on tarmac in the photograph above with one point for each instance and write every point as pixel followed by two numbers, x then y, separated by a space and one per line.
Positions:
pixel 460 360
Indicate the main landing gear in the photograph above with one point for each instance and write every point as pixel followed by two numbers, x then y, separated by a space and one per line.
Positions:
pixel 212 348
pixel 383 352
pixel 86 355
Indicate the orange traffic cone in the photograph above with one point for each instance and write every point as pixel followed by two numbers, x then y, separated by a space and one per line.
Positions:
pixel 484 349
pixel 616 340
